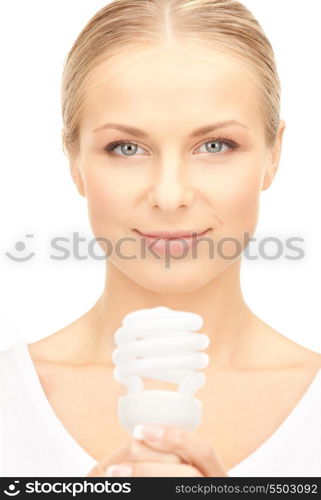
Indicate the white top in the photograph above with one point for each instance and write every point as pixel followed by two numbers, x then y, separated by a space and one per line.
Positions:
pixel 36 443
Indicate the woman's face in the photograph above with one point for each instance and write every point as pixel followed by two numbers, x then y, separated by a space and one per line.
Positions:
pixel 166 177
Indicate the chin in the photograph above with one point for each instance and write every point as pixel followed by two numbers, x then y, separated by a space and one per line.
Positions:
pixel 181 278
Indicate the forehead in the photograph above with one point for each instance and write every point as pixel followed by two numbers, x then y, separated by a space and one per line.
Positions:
pixel 173 80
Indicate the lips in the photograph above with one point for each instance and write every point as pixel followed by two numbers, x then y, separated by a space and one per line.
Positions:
pixel 173 234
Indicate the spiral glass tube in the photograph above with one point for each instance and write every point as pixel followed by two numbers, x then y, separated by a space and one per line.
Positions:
pixel 160 344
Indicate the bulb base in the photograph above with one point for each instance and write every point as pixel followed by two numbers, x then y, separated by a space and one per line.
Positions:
pixel 159 407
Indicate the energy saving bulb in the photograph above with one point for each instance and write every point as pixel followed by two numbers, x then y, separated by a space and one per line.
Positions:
pixel 160 344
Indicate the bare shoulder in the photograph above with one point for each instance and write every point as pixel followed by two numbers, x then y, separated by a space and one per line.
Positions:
pixel 303 355
pixel 288 352
pixel 60 346
pixel 276 350
pixel 310 359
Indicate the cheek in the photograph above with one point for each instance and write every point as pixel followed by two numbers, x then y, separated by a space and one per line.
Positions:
pixel 241 203
pixel 237 205
pixel 105 206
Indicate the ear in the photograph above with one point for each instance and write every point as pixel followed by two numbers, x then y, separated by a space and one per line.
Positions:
pixel 274 157
pixel 72 153
pixel 76 176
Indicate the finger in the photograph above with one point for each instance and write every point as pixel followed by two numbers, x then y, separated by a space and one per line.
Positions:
pixel 96 471
pixel 153 469
pixel 133 451
pixel 190 447
pixel 136 450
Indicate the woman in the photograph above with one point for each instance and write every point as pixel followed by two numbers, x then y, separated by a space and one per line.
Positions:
pixel 171 124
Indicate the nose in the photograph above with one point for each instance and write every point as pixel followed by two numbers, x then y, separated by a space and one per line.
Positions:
pixel 171 188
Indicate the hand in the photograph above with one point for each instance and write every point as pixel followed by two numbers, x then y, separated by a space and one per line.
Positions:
pixel 178 453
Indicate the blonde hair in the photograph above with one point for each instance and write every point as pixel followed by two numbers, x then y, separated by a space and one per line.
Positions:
pixel 124 24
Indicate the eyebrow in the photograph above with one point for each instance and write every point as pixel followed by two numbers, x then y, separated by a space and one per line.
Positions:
pixel 196 133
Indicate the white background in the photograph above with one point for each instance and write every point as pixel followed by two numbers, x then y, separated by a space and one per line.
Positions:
pixel 38 197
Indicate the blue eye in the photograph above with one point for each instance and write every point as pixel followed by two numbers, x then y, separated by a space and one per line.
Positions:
pixel 216 145
pixel 126 147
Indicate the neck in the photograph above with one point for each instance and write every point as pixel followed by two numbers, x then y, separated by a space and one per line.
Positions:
pixel 226 316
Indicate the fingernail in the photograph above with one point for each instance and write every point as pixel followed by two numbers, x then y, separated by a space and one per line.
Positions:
pixel 118 471
pixel 152 432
